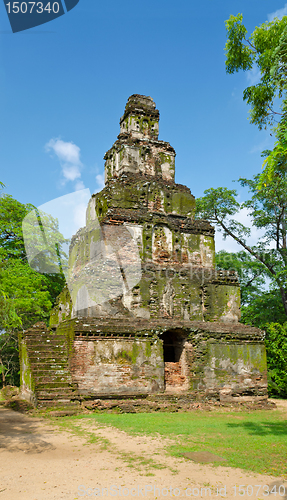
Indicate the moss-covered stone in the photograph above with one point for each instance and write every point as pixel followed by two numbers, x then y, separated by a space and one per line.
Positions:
pixel 221 302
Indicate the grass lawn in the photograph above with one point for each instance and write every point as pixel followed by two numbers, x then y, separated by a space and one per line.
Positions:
pixel 255 440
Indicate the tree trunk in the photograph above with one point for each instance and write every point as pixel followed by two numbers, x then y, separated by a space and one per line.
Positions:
pixel 3 372
pixel 284 299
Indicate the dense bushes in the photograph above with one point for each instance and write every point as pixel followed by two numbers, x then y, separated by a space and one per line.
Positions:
pixel 276 346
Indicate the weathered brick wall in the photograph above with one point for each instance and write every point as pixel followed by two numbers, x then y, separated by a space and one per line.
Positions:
pixel 117 366
pixel 235 369
pixel 111 357
pixel 228 361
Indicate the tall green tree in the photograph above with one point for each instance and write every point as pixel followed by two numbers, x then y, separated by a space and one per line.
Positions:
pixel 26 296
pixel 276 346
pixel 265 50
pixel 267 209
pixel 259 306
pixel 251 273
pixel 18 281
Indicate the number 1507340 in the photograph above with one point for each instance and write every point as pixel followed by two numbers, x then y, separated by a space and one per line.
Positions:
pixel 32 7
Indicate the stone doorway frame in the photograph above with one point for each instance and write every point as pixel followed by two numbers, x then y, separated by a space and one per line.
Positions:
pixel 174 358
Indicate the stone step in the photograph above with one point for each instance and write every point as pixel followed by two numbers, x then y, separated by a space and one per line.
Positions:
pixel 48 374
pixel 60 378
pixel 45 336
pixel 47 356
pixel 43 385
pixel 47 366
pixel 47 353
pixel 56 402
pixel 55 395
pixel 46 345
pixel 48 339
pixel 44 364
pixel 46 370
pixel 51 390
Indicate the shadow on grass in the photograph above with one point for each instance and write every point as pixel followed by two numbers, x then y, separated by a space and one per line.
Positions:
pixel 263 429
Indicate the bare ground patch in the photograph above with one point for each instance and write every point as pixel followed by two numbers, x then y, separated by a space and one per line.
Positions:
pixel 41 462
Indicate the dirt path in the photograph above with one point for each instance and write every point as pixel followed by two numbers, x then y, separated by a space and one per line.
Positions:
pixel 40 462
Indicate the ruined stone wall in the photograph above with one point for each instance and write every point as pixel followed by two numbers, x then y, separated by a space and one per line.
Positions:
pixel 237 369
pixel 227 361
pixel 117 366
pixel 141 192
pixel 109 357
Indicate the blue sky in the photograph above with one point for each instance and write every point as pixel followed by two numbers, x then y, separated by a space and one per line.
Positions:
pixel 64 86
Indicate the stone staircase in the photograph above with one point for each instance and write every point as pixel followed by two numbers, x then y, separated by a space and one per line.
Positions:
pixel 49 366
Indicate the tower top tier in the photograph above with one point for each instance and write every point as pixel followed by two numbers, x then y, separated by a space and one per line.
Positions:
pixel 140 118
pixel 137 149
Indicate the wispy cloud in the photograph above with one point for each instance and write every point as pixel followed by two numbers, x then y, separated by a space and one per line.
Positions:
pixel 278 13
pixel 68 154
pixel 230 244
pixel 253 76
pixel 100 179
pixel 266 143
pixel 79 185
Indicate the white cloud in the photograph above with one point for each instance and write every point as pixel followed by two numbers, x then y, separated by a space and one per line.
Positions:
pixel 230 244
pixel 79 185
pixel 266 143
pixel 100 178
pixel 278 13
pixel 66 151
pixel 68 154
pixel 79 215
pixel 70 210
pixel 71 172
pixel 253 76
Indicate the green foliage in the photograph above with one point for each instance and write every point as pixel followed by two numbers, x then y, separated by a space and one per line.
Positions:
pixel 25 295
pixel 265 50
pixel 267 210
pixel 12 213
pixel 27 291
pixel 44 242
pixel 217 206
pixel 8 316
pixel 276 346
pixel 238 55
pixel 9 359
pixel 265 307
pixel 251 273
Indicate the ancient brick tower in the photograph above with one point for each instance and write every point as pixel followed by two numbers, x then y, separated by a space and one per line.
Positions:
pixel 146 311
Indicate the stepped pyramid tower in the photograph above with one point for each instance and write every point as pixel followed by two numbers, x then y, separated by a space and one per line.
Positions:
pixel 146 311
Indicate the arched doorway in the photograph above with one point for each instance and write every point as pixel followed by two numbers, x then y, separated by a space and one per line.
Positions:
pixel 174 360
